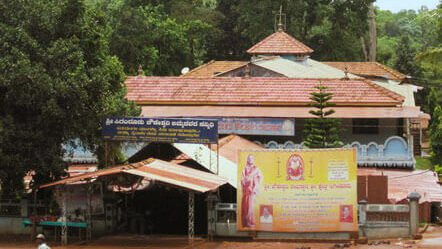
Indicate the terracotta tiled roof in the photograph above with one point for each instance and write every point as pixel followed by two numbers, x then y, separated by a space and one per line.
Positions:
pixel 231 144
pixel 214 67
pixel 254 91
pixel 279 43
pixel 365 68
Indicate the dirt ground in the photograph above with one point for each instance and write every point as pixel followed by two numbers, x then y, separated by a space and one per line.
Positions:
pixel 432 239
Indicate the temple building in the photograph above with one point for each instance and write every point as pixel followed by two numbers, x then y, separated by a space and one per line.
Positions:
pixel 266 100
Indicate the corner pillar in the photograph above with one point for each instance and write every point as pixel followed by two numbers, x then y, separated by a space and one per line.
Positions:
pixel 413 202
pixel 363 215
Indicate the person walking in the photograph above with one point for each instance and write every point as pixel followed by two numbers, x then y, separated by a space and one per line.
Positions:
pixel 40 240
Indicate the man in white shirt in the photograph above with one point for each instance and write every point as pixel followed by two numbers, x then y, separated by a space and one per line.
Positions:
pixel 40 240
pixel 266 216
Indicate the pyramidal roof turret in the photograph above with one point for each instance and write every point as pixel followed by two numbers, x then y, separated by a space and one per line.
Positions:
pixel 280 43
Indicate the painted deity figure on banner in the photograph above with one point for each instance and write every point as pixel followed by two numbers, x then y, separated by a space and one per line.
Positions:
pixel 251 179
pixel 295 168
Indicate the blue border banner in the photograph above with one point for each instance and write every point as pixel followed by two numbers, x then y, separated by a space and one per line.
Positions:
pixel 194 131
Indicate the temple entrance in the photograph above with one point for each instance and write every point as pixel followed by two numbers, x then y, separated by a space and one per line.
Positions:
pixel 163 210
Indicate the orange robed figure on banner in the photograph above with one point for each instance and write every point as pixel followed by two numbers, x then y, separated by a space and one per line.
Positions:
pixel 251 178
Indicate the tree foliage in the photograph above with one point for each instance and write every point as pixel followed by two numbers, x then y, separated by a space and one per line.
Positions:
pixel 417 39
pixel 321 24
pixel 161 36
pixel 322 131
pixel 405 54
pixel 436 137
pixel 57 81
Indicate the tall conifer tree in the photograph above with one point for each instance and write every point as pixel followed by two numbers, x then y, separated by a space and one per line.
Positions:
pixel 322 131
pixel 436 138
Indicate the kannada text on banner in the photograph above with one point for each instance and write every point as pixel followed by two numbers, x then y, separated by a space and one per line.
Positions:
pixel 196 131
pixel 257 126
pixel 297 190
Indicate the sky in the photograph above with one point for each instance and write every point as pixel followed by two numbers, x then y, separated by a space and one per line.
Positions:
pixel 398 5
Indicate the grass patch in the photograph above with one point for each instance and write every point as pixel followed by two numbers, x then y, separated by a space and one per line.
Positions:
pixel 423 163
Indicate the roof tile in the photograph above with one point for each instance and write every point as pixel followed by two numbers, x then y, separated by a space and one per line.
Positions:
pixel 254 91
pixel 279 43
pixel 366 68
pixel 214 67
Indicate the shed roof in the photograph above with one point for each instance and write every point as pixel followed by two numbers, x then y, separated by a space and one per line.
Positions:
pixel 367 69
pixel 279 43
pixel 403 182
pixel 155 169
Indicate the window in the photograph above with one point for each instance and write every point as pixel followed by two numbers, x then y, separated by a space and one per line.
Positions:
pixel 365 126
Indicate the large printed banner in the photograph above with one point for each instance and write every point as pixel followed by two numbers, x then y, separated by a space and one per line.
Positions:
pixel 196 131
pixel 257 126
pixel 297 190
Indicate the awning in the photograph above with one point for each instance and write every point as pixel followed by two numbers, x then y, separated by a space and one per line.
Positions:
pixel 155 169
pixel 276 111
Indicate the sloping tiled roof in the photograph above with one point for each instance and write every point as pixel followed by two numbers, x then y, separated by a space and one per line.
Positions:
pixel 231 144
pixel 214 67
pixel 254 91
pixel 365 68
pixel 279 43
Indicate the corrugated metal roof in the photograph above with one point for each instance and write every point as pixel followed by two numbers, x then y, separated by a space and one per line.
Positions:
pixel 228 151
pixel 279 43
pixel 407 91
pixel 302 69
pixel 179 176
pixel 366 68
pixel 403 182
pixel 254 91
pixel 276 111
pixel 211 68
pixel 155 169
pixel 209 160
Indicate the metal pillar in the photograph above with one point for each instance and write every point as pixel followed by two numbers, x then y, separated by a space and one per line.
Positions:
pixel 191 231
pixel 64 225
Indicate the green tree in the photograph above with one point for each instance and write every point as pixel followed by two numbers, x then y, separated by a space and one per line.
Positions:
pixel 331 28
pixel 322 131
pixel 436 137
pixel 57 81
pixel 161 36
pixel 405 62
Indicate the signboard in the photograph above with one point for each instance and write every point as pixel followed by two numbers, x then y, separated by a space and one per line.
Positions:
pixel 196 131
pixel 297 190
pixel 257 126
